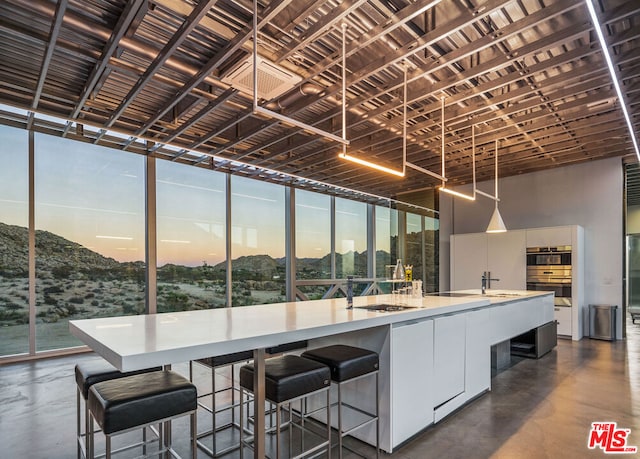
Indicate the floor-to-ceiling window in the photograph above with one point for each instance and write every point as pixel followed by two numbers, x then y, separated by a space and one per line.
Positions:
pixel 431 276
pixel 191 237
pixel 351 238
pixel 90 236
pixel 257 242
pixel 421 242
pixel 413 245
pixel 90 239
pixel 313 241
pixel 14 241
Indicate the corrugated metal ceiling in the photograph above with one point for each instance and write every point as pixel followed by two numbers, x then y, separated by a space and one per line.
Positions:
pixel 529 73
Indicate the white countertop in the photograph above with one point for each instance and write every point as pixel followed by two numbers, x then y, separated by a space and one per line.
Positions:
pixel 133 342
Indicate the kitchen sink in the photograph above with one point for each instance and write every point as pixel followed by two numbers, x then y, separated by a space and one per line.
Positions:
pixel 384 307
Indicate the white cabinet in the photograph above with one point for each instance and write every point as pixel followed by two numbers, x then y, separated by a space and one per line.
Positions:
pixel 480 331
pixel 412 370
pixel 562 315
pixel 549 237
pixel 449 333
pixel 502 254
pixel 468 260
pixel 507 260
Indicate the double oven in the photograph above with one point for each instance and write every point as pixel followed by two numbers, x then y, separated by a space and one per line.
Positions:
pixel 549 269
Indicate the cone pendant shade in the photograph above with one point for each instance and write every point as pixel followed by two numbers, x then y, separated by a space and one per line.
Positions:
pixel 496 224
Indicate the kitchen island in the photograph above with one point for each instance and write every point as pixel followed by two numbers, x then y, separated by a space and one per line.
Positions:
pixel 435 352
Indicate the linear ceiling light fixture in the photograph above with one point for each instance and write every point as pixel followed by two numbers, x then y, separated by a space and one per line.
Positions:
pixel 473 157
pixel 270 113
pixel 614 78
pixel 355 159
pixel 496 224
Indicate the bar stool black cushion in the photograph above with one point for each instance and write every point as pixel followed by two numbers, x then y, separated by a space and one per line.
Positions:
pixel 288 377
pixel 133 401
pixel 345 362
pixel 226 359
pixel 92 372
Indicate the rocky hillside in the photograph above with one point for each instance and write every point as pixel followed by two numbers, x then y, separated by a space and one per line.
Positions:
pixel 52 252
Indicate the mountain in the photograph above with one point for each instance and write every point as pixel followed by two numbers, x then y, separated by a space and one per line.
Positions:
pixel 52 252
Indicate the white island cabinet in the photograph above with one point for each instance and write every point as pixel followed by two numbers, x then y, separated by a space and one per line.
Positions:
pixel 413 378
pixel 449 334
pixel 434 355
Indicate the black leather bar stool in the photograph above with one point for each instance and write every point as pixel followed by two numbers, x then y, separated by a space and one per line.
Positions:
pixel 347 364
pixel 87 374
pixel 135 402
pixel 214 363
pixel 287 379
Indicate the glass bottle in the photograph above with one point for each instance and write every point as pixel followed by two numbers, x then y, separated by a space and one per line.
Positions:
pixel 398 272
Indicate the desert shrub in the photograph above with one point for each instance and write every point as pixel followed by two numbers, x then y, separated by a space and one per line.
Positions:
pixel 76 300
pixel 95 303
pixel 89 295
pixel 54 289
pixel 62 272
pixel 50 300
pixel 17 317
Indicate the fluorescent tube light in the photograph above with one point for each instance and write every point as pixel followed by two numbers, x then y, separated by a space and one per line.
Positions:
pixel 614 78
pixel 362 162
pixel 456 193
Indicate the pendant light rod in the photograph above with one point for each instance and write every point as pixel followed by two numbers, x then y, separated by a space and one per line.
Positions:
pixel 257 109
pixel 496 224
pixel 404 120
pixel 344 155
pixel 480 192
pixel 344 86
pixel 496 174
pixel 442 134
pixel 473 157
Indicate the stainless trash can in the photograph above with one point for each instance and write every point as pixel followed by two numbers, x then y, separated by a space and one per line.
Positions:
pixel 602 321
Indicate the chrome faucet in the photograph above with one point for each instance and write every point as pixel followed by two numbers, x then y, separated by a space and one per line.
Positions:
pixel 486 281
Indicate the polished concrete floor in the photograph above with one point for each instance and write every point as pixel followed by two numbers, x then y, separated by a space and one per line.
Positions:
pixel 536 409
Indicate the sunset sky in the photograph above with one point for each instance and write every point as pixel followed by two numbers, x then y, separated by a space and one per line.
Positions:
pixel 94 196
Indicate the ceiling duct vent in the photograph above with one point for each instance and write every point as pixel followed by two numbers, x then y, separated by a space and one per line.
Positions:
pixel 273 80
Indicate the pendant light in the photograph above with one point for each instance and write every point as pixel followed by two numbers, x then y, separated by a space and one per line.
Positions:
pixel 496 224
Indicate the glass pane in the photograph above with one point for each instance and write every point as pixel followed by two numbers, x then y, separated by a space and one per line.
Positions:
pixel 431 255
pixel 633 261
pixel 313 235
pixel 351 238
pixel 414 244
pixel 258 242
pixel 90 236
pixel 14 241
pixel 386 241
pixel 191 237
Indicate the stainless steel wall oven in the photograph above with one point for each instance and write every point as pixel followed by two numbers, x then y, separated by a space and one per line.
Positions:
pixel 549 269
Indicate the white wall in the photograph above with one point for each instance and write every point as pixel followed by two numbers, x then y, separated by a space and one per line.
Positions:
pixel 588 194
